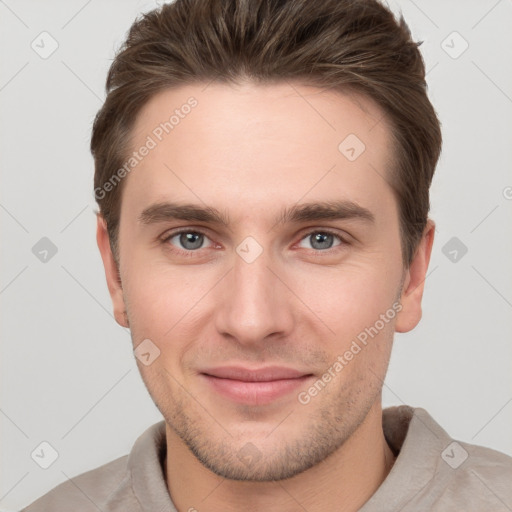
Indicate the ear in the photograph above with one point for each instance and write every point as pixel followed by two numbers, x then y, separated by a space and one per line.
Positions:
pixel 412 290
pixel 111 272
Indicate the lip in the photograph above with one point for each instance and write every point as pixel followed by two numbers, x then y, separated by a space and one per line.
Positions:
pixel 254 386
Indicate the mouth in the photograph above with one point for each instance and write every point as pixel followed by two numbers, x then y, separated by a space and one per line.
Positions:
pixel 254 386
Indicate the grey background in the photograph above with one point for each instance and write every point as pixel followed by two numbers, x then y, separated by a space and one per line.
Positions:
pixel 67 369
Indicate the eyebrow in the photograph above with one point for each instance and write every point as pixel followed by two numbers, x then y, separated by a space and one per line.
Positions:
pixel 329 210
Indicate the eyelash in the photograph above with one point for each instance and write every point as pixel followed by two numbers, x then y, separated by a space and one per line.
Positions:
pixel 190 253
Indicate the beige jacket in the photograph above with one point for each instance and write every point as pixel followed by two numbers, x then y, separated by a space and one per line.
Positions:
pixel 432 473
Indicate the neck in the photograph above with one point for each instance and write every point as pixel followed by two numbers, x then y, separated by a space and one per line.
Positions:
pixel 344 481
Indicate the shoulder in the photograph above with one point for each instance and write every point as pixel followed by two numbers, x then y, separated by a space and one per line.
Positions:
pixel 464 476
pixel 118 486
pixel 433 471
pixel 90 491
pixel 476 476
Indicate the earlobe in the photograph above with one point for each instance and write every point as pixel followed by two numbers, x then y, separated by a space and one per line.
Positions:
pixel 111 272
pixel 414 282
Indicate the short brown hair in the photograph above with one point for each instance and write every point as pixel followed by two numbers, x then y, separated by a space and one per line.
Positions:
pixel 348 45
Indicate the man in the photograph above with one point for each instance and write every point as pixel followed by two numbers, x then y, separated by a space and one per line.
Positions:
pixel 262 174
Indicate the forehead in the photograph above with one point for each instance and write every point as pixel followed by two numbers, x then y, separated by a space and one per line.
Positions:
pixel 255 144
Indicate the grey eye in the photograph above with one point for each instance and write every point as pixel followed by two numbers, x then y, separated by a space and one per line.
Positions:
pixel 189 240
pixel 320 240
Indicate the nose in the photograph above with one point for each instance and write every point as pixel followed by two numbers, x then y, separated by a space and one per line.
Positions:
pixel 253 304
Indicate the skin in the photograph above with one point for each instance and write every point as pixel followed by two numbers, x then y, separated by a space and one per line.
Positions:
pixel 250 151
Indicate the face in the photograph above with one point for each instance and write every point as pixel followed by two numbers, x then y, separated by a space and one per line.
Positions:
pixel 260 254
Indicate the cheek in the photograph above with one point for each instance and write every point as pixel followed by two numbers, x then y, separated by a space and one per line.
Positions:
pixel 162 298
pixel 350 298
